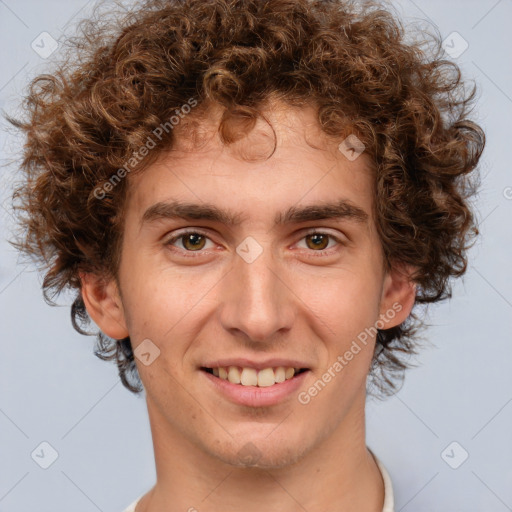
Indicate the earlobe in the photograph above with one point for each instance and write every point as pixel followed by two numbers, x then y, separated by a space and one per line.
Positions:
pixel 103 303
pixel 398 295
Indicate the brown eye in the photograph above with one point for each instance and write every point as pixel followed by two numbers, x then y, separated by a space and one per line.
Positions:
pixel 192 241
pixel 189 241
pixel 318 241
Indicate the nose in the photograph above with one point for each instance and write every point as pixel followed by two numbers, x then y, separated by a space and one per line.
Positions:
pixel 257 301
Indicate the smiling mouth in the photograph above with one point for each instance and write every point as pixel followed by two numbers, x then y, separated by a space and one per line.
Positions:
pixel 252 377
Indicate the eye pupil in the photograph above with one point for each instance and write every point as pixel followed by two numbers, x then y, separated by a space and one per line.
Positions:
pixel 194 238
pixel 196 241
pixel 318 240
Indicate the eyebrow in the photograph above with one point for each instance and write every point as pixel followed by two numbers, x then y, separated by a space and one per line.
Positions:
pixel 342 209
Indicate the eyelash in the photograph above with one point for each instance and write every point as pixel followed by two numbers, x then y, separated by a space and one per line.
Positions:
pixel 190 254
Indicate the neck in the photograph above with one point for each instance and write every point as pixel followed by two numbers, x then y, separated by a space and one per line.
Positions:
pixel 338 474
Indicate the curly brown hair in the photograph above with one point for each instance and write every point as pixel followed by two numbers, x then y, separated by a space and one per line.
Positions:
pixel 125 74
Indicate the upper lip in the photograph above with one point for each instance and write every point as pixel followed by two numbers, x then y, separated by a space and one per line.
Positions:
pixel 258 365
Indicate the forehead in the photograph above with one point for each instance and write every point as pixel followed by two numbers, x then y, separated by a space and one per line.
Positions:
pixel 305 168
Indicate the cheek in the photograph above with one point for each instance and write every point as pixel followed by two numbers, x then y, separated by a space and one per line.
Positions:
pixel 164 303
pixel 153 310
pixel 346 301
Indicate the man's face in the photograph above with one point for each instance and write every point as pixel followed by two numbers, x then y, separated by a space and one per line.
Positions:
pixel 253 290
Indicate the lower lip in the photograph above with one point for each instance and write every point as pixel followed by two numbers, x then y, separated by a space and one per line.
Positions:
pixel 254 396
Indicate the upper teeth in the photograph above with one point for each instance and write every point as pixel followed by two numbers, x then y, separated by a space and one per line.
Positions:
pixel 253 377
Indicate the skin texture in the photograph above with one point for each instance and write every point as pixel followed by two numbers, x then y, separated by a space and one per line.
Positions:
pixel 290 302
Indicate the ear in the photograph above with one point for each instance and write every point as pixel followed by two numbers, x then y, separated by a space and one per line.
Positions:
pixel 103 303
pixel 398 295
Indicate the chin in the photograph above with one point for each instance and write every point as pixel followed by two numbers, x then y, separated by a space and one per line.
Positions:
pixel 264 453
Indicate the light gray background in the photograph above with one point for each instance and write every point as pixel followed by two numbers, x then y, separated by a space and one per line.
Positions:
pixel 54 389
